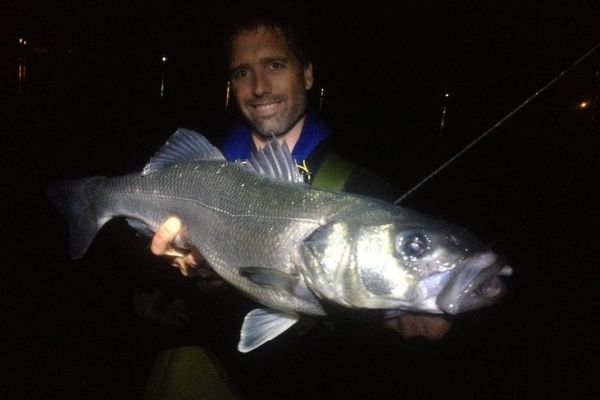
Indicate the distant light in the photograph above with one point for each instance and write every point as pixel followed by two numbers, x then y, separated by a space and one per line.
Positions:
pixel 20 40
pixel 227 92
pixel 321 97
pixel 584 104
pixel 22 72
pixel 24 41
pixel 164 59
pixel 447 95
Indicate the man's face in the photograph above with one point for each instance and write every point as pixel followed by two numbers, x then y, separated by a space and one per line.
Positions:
pixel 268 81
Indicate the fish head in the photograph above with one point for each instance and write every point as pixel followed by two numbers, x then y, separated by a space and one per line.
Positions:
pixel 403 262
pixel 453 271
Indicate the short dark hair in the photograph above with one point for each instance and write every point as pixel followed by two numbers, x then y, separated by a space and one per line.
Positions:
pixel 286 17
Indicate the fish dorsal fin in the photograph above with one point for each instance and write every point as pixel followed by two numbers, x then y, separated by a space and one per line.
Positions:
pixel 261 325
pixel 183 145
pixel 275 161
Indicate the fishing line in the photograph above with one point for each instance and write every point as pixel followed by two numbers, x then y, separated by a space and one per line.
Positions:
pixel 497 124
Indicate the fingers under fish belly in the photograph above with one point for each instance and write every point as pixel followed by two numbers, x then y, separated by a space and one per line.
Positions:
pixel 431 327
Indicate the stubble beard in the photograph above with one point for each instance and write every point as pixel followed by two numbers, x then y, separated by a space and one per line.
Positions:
pixel 282 124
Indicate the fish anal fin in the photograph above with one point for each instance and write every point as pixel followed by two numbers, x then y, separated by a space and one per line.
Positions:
pixel 140 227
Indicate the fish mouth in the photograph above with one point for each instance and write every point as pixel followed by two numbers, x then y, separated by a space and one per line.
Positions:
pixel 476 284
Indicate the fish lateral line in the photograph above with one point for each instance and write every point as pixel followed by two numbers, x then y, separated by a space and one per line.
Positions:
pixel 220 210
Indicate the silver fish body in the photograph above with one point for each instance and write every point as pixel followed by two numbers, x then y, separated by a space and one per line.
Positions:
pixel 287 245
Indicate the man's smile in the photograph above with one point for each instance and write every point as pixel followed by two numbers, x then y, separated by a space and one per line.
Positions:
pixel 265 109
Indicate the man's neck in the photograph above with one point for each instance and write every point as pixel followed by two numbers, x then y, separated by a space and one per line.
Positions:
pixel 290 137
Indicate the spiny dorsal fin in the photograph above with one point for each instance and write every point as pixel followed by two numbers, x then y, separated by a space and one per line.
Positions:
pixel 275 161
pixel 261 325
pixel 183 145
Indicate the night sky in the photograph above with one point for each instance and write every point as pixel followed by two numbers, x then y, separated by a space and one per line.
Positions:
pixel 89 102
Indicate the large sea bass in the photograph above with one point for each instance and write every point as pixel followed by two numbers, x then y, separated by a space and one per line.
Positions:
pixel 287 245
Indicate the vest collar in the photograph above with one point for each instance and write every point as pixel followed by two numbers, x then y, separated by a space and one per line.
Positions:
pixel 239 145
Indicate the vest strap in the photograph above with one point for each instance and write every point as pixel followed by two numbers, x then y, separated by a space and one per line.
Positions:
pixel 333 173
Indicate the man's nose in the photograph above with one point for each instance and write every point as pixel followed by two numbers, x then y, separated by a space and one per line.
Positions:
pixel 261 84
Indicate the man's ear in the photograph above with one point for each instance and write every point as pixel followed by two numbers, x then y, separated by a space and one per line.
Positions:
pixel 308 76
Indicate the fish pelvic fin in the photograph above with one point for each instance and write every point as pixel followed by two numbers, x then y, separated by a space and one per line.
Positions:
pixel 261 325
pixel 183 145
pixel 74 200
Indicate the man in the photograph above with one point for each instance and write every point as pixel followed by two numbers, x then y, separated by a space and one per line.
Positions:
pixel 270 73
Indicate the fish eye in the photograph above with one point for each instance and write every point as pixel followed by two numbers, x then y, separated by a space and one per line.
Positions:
pixel 414 245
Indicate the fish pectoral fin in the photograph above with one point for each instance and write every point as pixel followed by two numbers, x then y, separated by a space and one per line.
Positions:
pixel 261 325
pixel 270 277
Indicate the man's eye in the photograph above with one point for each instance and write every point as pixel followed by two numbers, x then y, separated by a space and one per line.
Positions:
pixel 239 74
pixel 277 65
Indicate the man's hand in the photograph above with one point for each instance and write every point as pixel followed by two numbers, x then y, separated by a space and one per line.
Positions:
pixel 169 242
pixel 432 327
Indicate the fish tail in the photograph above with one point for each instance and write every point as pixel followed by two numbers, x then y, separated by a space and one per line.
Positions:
pixel 75 201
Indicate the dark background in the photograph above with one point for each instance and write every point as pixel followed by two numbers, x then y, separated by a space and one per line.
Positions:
pixel 88 102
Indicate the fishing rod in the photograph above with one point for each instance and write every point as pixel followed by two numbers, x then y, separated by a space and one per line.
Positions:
pixel 496 125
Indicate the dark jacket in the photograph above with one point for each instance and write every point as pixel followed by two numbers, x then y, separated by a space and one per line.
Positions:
pixel 358 180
